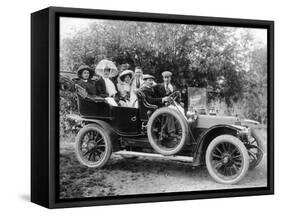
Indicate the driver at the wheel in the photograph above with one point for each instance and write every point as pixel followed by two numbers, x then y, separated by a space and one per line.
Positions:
pixel 166 89
pixel 149 91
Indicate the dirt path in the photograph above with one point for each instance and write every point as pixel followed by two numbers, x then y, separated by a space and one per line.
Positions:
pixel 139 176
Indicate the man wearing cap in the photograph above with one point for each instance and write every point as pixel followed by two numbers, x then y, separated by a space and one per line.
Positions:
pixel 149 91
pixel 166 88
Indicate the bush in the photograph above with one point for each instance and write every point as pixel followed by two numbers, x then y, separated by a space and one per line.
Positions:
pixel 68 105
pixel 243 108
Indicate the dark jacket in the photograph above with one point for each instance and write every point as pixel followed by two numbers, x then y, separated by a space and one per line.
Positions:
pixel 160 91
pixel 89 86
pixel 101 88
pixel 151 96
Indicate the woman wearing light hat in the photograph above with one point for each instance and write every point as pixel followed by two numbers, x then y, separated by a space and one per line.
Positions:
pixel 105 86
pixel 124 87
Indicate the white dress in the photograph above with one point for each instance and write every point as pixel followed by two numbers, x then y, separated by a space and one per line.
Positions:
pixel 133 96
pixel 111 90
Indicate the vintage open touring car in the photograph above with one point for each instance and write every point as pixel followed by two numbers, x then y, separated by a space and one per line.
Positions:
pixel 228 146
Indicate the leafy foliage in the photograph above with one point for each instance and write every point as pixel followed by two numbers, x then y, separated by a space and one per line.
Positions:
pixel 219 58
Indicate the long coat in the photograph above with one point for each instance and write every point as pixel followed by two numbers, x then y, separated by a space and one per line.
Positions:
pixel 101 88
pixel 89 86
pixel 160 91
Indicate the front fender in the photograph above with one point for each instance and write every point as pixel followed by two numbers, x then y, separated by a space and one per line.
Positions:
pixel 209 134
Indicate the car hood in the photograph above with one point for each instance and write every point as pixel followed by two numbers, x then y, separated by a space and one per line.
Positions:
pixel 207 121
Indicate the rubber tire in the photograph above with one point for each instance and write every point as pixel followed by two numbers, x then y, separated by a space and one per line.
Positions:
pixel 235 141
pixel 108 145
pixel 254 134
pixel 183 124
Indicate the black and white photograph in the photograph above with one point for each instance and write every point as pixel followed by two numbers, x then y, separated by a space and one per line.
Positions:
pixel 159 107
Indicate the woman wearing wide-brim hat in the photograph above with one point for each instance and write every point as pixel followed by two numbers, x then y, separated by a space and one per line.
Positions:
pixel 85 74
pixel 83 68
pixel 126 74
pixel 106 65
pixel 105 85
pixel 124 87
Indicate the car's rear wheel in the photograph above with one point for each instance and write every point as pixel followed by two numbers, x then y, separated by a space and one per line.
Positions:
pixel 255 149
pixel 93 146
pixel 167 131
pixel 227 159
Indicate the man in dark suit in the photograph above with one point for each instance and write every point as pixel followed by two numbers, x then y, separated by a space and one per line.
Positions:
pixel 149 91
pixel 166 88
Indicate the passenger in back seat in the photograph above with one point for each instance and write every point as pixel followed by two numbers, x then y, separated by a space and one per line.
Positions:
pixel 85 81
pixel 124 87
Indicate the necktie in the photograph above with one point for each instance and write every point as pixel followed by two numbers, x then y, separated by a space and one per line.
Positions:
pixel 137 82
pixel 167 88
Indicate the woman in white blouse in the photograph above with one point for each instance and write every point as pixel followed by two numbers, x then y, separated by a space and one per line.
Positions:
pixel 106 88
pixel 124 87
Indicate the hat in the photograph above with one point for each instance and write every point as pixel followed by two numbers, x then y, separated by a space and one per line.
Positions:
pixel 82 68
pixel 167 74
pixel 106 64
pixel 124 74
pixel 147 76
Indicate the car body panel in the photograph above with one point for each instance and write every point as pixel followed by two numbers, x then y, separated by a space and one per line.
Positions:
pixel 207 121
pixel 129 124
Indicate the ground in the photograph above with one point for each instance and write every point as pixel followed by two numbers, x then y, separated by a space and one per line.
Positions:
pixel 140 176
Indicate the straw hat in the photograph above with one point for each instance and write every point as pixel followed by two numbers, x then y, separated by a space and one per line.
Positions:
pixel 125 73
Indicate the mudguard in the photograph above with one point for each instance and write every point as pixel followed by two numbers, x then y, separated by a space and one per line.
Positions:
pixel 208 135
pixel 103 124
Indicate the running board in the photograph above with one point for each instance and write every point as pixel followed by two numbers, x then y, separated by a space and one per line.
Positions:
pixel 143 154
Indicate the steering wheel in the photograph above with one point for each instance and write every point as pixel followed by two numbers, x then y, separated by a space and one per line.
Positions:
pixel 172 97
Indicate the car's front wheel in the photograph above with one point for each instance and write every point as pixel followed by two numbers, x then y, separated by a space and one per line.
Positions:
pixel 167 131
pixel 93 146
pixel 227 159
pixel 255 149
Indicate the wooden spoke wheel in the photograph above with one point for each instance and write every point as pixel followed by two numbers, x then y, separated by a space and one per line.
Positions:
pixel 227 159
pixel 167 131
pixel 93 146
pixel 255 149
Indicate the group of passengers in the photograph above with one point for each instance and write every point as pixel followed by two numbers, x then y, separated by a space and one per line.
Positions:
pixel 121 90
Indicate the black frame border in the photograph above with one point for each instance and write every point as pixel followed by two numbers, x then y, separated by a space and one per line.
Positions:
pixel 54 14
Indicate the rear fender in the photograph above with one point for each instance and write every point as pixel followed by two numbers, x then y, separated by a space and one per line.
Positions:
pixel 207 136
pixel 102 124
